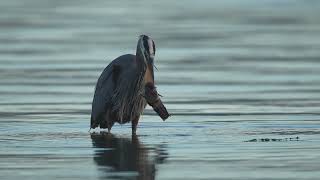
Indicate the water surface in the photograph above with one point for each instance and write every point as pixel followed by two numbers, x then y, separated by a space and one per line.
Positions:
pixel 229 72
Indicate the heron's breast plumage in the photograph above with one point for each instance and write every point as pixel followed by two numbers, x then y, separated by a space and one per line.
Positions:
pixel 127 101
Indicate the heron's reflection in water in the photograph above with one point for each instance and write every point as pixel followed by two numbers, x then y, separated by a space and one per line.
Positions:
pixel 125 158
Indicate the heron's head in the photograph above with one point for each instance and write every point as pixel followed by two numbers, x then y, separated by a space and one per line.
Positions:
pixel 146 49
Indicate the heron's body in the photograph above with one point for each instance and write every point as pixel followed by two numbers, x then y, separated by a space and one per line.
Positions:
pixel 112 85
pixel 120 91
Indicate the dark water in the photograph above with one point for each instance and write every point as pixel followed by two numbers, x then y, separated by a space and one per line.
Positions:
pixel 229 71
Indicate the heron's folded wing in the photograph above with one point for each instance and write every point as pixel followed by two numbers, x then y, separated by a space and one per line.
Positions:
pixel 107 83
pixel 102 95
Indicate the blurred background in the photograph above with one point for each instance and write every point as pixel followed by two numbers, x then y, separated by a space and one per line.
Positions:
pixel 229 71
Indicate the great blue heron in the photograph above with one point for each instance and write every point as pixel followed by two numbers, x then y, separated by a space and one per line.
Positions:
pixel 125 87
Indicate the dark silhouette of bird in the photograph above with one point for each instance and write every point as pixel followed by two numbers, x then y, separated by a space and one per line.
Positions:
pixel 125 87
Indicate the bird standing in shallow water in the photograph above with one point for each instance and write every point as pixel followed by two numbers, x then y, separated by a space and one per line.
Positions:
pixel 125 87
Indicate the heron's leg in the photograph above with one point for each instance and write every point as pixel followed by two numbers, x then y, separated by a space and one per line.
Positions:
pixel 108 121
pixel 110 124
pixel 134 124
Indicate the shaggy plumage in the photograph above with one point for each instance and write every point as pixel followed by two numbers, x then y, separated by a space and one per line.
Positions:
pixel 120 91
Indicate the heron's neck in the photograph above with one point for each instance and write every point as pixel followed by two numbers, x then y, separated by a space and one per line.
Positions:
pixel 141 65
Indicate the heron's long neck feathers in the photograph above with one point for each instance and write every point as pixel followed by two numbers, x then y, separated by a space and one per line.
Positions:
pixel 127 100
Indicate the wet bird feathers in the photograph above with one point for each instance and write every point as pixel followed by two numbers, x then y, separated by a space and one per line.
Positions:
pixel 118 99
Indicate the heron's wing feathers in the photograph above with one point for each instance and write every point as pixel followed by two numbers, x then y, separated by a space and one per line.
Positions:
pixel 106 85
pixel 103 92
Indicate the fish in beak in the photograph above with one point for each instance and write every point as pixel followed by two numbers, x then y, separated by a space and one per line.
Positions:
pixel 153 99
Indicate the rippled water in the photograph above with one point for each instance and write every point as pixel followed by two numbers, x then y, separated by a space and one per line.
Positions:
pixel 229 71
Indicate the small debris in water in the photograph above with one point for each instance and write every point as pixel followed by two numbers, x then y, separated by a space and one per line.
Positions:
pixel 273 139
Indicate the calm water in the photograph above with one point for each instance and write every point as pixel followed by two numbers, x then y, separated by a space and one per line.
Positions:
pixel 229 72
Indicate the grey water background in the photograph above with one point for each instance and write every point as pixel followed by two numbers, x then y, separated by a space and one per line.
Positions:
pixel 229 71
